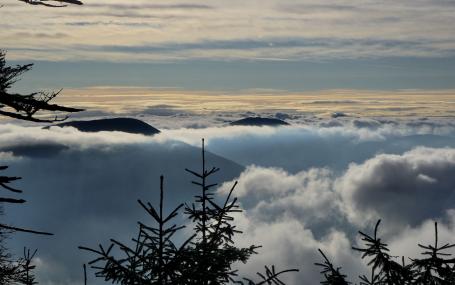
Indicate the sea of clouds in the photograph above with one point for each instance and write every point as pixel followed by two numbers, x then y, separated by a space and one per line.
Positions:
pixel 310 185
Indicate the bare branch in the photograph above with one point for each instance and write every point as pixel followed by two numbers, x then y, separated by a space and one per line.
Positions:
pixel 53 3
pixel 15 229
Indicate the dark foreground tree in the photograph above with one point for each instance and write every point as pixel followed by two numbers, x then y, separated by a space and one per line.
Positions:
pixel 26 106
pixel 18 272
pixel 206 257
pixel 436 267
pixel 23 107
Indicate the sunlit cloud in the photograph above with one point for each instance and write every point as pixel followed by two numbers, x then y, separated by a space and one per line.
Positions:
pixel 353 103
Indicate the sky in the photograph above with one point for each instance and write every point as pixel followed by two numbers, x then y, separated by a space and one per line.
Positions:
pixel 368 88
pixel 232 45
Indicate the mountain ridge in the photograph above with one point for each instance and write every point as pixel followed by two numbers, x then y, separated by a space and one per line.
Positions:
pixel 127 125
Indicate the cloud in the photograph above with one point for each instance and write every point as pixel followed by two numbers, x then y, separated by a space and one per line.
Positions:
pixel 235 30
pixel 231 105
pixel 289 244
pixel 405 243
pixel 292 215
pixel 271 48
pixel 397 188
pixel 147 6
pixel 41 35
pixel 366 123
pixel 6 157
pixel 272 194
pixel 14 136
pixel 333 102
pixel 300 147
pixel 162 110
pixel 402 189
pixel 303 195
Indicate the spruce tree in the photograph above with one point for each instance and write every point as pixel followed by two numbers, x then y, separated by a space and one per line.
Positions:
pixel 436 267
pixel 207 257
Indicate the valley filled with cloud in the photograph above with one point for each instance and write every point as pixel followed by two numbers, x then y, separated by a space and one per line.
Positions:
pixel 302 187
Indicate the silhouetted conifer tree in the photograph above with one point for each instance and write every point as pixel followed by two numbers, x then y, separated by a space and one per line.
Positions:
pixel 153 258
pixel 436 268
pixel 18 271
pixel 212 252
pixel 207 257
pixel 332 275
pixel 271 276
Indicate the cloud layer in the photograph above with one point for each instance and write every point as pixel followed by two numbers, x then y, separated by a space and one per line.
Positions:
pixel 175 104
pixel 298 195
pixel 270 29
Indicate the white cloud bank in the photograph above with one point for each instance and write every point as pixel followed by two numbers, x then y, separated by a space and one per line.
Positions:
pixel 294 214
pixel 403 189
pixel 312 187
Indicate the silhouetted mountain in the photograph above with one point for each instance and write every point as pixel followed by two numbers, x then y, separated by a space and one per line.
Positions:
pixel 127 125
pixel 258 121
pixel 36 150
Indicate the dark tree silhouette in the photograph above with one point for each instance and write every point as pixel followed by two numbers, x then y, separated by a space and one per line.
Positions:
pixel 206 257
pixel 4 181
pixel 52 3
pixel 153 259
pixel 270 277
pixel 437 267
pixel 23 107
pixel 212 251
pixel 332 275
pixel 19 271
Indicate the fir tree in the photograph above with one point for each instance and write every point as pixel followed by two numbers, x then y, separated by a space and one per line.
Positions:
pixel 206 257
pixel 437 267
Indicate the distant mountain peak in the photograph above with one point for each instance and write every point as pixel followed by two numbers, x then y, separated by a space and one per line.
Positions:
pixel 127 125
pixel 258 121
